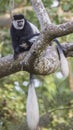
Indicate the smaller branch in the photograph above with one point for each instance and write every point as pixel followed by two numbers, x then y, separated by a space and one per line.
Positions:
pixel 53 31
pixel 68 49
pixel 64 29
pixel 41 13
pixel 45 119
pixel 63 108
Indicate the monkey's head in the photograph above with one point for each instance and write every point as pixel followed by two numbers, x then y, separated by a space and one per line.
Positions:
pixel 18 21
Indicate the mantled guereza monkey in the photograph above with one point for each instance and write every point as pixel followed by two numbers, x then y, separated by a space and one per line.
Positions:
pixel 23 35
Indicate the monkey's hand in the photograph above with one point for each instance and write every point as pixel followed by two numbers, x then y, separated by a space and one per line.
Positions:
pixel 24 45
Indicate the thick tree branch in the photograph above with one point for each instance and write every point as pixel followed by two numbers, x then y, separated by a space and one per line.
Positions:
pixel 41 59
pixel 46 63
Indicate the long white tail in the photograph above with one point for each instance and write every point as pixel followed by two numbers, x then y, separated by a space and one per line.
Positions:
pixel 32 108
pixel 64 65
pixel 63 60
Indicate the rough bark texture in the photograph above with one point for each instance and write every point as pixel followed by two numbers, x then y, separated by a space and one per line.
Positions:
pixel 41 13
pixel 45 63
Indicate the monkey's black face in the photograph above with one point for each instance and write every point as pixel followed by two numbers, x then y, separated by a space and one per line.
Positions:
pixel 18 22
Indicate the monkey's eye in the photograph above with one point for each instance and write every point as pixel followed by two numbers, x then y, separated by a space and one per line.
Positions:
pixel 19 23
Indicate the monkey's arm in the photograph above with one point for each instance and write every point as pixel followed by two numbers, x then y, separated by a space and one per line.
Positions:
pixel 15 43
pixel 16 48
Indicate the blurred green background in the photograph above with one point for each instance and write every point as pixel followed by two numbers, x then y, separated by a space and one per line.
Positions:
pixel 54 92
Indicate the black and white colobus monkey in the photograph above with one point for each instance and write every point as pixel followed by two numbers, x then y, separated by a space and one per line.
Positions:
pixel 23 35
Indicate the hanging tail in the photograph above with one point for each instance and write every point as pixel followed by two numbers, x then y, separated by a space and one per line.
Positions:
pixel 32 106
pixel 63 60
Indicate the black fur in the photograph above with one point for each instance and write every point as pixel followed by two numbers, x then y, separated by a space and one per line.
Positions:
pixel 18 17
pixel 20 36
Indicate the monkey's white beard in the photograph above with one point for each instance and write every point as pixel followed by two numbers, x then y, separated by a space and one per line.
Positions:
pixel 64 65
pixel 32 108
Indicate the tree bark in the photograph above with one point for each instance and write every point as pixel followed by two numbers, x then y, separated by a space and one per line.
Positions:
pixel 46 63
